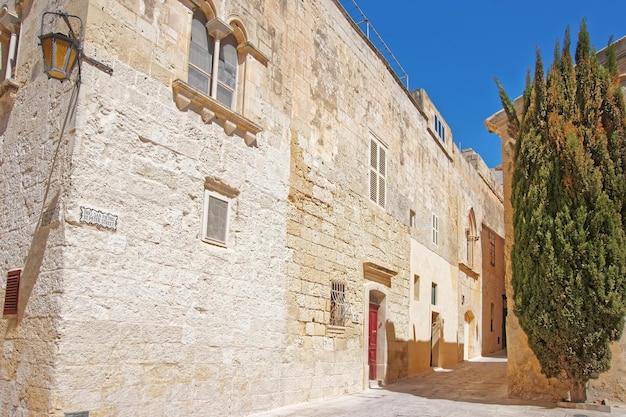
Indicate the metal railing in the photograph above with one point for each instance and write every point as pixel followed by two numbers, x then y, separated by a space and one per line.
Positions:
pixel 357 15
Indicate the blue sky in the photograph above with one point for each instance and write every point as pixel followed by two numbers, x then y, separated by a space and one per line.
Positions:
pixel 453 49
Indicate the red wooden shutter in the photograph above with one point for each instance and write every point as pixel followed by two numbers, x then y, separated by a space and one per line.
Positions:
pixel 12 293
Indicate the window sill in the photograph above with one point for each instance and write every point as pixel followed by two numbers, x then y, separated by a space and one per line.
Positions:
pixel 210 110
pixel 468 271
pixel 214 242
pixel 334 329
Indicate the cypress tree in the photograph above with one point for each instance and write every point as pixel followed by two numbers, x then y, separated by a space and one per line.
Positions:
pixel 569 186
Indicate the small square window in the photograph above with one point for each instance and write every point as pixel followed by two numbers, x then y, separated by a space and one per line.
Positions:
pixel 440 129
pixel 433 298
pixel 215 218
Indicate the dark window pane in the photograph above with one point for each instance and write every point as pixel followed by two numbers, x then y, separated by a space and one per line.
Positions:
pixel 227 69
pixel 198 80
pixel 224 96
pixel 200 49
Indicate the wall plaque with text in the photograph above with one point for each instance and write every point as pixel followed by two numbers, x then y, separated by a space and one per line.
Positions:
pixel 99 218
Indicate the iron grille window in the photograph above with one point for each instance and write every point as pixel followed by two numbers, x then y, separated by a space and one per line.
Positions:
pixel 339 308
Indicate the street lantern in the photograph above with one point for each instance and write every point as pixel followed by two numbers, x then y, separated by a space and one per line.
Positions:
pixel 61 52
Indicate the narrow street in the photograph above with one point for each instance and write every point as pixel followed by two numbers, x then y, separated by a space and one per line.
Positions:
pixel 474 388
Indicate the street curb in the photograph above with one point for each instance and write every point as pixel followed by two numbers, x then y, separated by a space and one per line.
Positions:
pixel 583 406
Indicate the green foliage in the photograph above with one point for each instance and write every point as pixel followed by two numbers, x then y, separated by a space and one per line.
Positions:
pixel 569 187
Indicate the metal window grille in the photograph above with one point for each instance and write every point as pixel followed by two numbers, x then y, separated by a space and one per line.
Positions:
pixel 339 308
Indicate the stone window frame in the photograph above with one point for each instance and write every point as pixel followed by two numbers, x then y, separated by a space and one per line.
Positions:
pixel 471 239
pixel 213 59
pixel 10 32
pixel 216 190
pixel 231 118
pixel 377 172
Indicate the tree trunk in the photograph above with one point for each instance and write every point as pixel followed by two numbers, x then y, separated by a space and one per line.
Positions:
pixel 578 391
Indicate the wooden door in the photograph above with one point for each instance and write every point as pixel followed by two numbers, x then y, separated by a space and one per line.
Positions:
pixel 371 337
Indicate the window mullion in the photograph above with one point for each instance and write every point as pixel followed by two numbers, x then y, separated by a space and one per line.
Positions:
pixel 216 62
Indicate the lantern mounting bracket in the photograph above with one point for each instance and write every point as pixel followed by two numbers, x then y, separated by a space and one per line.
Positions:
pixel 61 52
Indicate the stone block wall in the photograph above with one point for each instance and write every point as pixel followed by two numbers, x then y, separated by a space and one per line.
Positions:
pixel 141 316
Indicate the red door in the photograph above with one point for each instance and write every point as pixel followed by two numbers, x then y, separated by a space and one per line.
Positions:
pixel 371 337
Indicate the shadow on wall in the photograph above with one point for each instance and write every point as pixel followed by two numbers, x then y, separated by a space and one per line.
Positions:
pixel 407 358
pixel 34 259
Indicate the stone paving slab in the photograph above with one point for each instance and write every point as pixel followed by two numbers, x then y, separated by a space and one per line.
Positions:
pixel 476 388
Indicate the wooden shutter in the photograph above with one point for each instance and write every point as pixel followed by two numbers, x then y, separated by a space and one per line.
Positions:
pixel 11 296
pixel 378 172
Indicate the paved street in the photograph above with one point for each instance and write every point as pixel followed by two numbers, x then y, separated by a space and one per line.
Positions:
pixel 475 388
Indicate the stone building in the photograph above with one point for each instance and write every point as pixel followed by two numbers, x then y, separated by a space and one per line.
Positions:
pixel 524 371
pixel 201 233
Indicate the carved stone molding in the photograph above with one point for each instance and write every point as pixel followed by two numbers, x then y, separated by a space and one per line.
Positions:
pixel 186 97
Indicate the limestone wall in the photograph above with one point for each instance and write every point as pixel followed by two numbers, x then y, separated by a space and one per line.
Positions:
pixel 137 315
pixel 493 305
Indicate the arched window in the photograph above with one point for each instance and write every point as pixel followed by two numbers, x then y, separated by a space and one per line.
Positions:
pixel 200 54
pixel 218 63
pixel 213 51
pixel 472 237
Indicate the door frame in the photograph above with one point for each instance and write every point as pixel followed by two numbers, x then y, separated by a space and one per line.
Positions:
pixel 380 292
pixel 372 345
